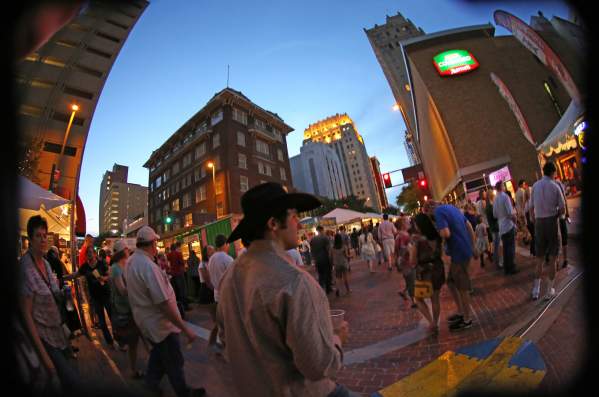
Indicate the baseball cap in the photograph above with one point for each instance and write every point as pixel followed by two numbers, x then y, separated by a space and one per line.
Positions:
pixel 146 234
pixel 119 245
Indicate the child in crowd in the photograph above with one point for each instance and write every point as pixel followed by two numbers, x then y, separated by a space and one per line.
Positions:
pixel 482 240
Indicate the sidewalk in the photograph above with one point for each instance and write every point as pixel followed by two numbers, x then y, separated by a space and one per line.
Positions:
pixel 388 340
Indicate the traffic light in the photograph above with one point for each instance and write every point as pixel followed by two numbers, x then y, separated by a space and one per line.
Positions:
pixel 422 183
pixel 168 220
pixel 387 180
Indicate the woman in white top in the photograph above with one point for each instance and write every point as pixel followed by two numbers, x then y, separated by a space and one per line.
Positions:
pixel 367 247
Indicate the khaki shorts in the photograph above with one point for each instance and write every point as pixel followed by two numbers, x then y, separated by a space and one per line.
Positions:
pixel 459 277
pixel 388 248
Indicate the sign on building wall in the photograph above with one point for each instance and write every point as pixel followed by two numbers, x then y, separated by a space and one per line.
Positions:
pixel 501 175
pixel 535 44
pixel 454 62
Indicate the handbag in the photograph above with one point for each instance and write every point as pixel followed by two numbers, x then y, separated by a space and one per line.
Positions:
pixel 423 289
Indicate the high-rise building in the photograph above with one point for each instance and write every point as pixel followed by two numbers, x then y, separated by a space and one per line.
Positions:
pixel 120 202
pixel 318 170
pixel 69 69
pixel 386 42
pixel 201 171
pixel 341 134
pixel 378 179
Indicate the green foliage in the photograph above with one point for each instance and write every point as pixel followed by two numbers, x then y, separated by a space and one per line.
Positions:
pixel 409 197
pixel 391 210
pixel 351 203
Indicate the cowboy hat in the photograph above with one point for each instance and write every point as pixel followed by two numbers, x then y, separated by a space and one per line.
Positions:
pixel 263 201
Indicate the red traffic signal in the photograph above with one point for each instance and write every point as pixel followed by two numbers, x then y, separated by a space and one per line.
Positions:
pixel 387 180
pixel 422 183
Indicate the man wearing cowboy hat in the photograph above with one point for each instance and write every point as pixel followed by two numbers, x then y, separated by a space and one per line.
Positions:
pixel 272 314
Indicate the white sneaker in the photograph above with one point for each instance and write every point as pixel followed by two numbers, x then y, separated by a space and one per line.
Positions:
pixel 550 295
pixel 536 289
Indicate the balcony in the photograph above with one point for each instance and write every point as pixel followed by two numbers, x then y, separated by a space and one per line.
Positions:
pixel 263 132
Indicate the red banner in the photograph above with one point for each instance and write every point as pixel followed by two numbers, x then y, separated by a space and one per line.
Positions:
pixel 535 43
pixel 509 98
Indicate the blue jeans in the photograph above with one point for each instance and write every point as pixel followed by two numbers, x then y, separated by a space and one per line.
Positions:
pixel 65 369
pixel 166 358
pixel 496 244
pixel 100 303
pixel 509 250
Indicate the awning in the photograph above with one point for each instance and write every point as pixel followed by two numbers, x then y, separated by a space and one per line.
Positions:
pixel 33 196
pixel 562 136
pixel 344 215
pixel 80 223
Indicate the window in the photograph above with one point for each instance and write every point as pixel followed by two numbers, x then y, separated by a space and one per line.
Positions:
pixel 242 161
pixel 203 171
pixel 217 117
pixel 175 205
pixel 219 187
pixel 268 170
pixel 101 53
pixel 108 37
pixel 188 220
pixel 261 146
pixel 176 168
pixel 158 182
pixel 220 209
pixel 186 200
pixel 202 127
pixel 59 116
pixel 215 141
pixel 166 176
pixel 243 183
pixel 187 160
pixel 280 155
pixel 260 168
pixel 240 115
pixel 240 138
pixel 196 175
pixel 88 70
pixel 117 24
pixel 201 193
pixel 200 150
pixel 261 125
pixel 53 61
pixel 66 43
pixel 283 174
pixel 188 178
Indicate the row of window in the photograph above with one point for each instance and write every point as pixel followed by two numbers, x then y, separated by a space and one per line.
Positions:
pixel 53 61
pixel 39 83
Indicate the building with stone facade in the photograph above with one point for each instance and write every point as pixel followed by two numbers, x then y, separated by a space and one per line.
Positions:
pixel 69 69
pixel 120 202
pixel 318 170
pixel 200 173
pixel 340 132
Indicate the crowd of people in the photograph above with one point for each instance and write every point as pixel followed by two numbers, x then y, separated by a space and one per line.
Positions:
pixel 264 305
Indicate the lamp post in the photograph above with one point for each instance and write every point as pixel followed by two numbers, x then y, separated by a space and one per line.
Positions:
pixel 213 167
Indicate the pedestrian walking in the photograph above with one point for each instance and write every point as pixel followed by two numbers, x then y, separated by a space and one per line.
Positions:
pixel 305 251
pixel 355 235
pixel 193 263
pixel 494 232
pixel 320 247
pixel 482 240
pixel 425 256
pixel 547 205
pixel 387 232
pixel 404 266
pixel 346 245
pixel 459 236
pixel 506 218
pixel 367 248
pixel 217 266
pixel 177 272
pixel 564 220
pixel 380 256
pixel 206 287
pixel 125 330
pixel 341 263
pixel 41 299
pixel 530 224
pixel 59 269
pixel 275 346
pixel 155 311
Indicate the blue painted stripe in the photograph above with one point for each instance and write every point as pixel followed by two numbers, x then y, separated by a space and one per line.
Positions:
pixel 480 350
pixel 376 394
pixel 528 356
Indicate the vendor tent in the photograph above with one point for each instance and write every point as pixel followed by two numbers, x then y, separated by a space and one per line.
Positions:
pixel 34 200
pixel 561 137
pixel 373 215
pixel 344 215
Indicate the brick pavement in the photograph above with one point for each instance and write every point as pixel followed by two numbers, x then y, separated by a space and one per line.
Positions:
pixel 376 313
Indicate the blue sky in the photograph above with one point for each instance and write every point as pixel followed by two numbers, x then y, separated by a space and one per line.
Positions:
pixel 303 60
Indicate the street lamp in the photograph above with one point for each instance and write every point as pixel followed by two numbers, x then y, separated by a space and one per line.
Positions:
pixel 213 167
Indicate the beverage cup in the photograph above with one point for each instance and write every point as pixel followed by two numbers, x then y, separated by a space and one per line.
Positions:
pixel 337 318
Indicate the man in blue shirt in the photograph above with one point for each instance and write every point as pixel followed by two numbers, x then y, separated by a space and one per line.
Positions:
pixel 506 216
pixel 457 232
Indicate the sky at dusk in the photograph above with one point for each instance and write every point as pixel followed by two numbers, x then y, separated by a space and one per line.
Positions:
pixel 303 60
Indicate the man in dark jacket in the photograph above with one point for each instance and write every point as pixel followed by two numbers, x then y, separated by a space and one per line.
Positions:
pixel 320 248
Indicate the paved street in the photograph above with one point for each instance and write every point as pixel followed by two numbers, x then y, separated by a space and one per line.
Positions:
pixel 388 340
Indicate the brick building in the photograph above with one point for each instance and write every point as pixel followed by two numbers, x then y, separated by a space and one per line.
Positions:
pixel 245 144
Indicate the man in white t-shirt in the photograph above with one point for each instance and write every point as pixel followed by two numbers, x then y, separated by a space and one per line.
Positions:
pixel 217 266
pixel 387 232
pixel 155 312
pixel 295 256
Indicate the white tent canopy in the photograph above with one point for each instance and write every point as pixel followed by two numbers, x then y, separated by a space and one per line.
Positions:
pixel 373 215
pixel 343 215
pixel 32 196
pixel 58 221
pixel 563 128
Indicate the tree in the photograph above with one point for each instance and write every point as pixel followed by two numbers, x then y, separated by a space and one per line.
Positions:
pixel 391 210
pixel 409 197
pixel 30 149
pixel 351 203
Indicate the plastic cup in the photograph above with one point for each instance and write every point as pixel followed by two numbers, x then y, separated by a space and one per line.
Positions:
pixel 337 318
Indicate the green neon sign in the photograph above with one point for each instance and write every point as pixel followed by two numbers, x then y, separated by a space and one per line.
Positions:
pixel 453 62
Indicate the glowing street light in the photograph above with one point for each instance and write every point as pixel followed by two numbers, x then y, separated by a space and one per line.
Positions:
pixel 396 107
pixel 212 166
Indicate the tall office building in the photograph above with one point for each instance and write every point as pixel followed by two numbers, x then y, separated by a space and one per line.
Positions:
pixel 318 170
pixel 201 171
pixel 120 202
pixel 341 134
pixel 69 69
pixel 386 42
